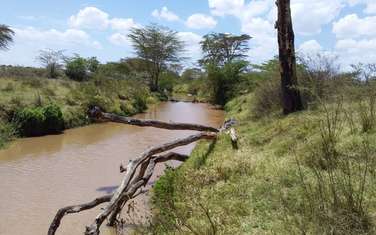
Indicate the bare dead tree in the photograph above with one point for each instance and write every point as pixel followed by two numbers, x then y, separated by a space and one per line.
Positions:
pixel 138 171
pixel 291 99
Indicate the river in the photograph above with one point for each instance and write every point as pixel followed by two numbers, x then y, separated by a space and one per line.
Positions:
pixel 42 174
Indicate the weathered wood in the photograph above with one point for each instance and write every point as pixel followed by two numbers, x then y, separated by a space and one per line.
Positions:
pixel 234 138
pixel 100 200
pixel 99 115
pixel 123 190
pixel 75 209
pixel 143 174
pixel 164 158
pixel 138 171
pixel 291 98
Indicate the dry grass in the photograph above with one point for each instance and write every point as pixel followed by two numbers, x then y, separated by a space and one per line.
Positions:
pixel 262 188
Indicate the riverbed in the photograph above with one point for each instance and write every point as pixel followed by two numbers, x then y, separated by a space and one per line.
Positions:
pixel 42 174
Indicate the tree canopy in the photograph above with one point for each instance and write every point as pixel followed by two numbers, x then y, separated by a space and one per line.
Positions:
pixel 157 45
pixel 6 36
pixel 52 60
pixel 222 48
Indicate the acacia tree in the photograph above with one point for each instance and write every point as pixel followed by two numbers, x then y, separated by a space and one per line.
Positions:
pixel 223 58
pixel 52 60
pixel 222 48
pixel 291 99
pixel 159 47
pixel 6 36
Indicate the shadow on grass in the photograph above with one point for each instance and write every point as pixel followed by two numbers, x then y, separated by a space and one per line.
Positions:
pixel 201 159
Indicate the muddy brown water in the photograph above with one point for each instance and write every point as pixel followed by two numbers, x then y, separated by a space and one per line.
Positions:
pixel 40 175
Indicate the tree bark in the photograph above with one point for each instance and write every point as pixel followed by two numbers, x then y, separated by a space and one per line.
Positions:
pixel 127 189
pixel 138 171
pixel 99 115
pixel 291 99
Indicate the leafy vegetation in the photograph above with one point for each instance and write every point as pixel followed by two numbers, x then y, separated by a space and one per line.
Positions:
pixel 158 47
pixel 6 36
pixel 80 69
pixel 311 172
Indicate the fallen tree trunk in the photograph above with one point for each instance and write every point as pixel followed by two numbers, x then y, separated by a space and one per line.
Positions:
pixel 100 200
pixel 125 187
pixel 97 114
pixel 138 171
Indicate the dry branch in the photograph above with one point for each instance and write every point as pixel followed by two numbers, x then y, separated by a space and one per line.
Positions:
pixel 75 209
pixel 234 138
pixel 86 206
pixel 138 171
pixel 97 114
pixel 125 188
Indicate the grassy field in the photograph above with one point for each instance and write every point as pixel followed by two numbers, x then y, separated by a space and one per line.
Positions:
pixel 124 97
pixel 312 172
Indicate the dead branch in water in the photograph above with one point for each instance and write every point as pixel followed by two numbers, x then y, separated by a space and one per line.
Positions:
pixel 97 114
pixel 138 171
pixel 100 200
pixel 128 188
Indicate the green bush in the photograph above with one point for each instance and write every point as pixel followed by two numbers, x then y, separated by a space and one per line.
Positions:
pixel 223 81
pixel 54 121
pixel 139 103
pixel 39 121
pixel 101 101
pixel 76 69
pixel 30 121
pixel 7 132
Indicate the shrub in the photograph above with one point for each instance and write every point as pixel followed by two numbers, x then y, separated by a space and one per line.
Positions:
pixel 127 108
pixel 167 81
pixel 75 117
pixel 335 180
pixel 101 101
pixel 77 69
pixel 39 121
pixel 7 132
pixel 54 121
pixel 222 81
pixel 30 121
pixel 139 103
pixel 267 98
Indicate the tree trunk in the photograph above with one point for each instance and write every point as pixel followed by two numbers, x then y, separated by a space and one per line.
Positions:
pixel 139 170
pixel 291 100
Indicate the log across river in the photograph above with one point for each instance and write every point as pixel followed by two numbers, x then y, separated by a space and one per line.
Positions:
pixel 40 175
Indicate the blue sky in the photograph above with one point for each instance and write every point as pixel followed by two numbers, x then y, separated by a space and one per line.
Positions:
pixel 342 28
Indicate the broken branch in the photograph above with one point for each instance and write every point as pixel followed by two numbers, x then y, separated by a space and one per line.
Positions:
pixel 97 114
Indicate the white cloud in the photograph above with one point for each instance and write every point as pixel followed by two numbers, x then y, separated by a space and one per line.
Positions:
pixel 352 51
pixel 226 7
pixel 121 24
pixel 119 39
pixel 54 37
pixel 351 26
pixel 89 18
pixel 192 44
pixel 370 5
pixel 310 16
pixel 201 21
pixel 165 14
pixel 28 41
pixel 257 18
pixel 94 18
pixel 310 47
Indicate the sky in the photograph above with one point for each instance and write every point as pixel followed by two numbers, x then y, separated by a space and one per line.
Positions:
pixel 345 29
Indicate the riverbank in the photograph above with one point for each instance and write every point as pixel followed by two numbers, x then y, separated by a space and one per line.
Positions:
pixel 125 97
pixel 309 172
pixel 82 164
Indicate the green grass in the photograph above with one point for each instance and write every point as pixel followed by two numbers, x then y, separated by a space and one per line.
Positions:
pixel 275 183
pixel 124 97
